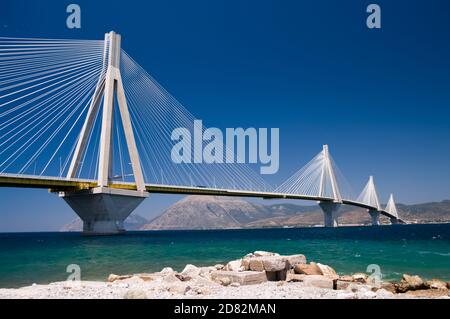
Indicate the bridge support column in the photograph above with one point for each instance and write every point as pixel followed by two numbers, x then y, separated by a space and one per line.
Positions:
pixel 103 210
pixel 375 215
pixel 330 213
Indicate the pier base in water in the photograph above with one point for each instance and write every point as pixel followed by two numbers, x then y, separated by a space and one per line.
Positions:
pixel 330 213
pixel 375 216
pixel 103 210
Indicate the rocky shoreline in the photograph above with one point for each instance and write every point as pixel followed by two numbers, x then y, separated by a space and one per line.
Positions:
pixel 259 275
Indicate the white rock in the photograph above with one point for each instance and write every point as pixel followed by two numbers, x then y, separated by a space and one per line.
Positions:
pixel 318 281
pixel 235 265
pixel 328 271
pixel 191 271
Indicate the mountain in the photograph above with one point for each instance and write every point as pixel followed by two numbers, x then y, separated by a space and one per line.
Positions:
pixel 133 222
pixel 204 212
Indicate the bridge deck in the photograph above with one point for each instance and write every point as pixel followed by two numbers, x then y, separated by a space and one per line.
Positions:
pixel 56 184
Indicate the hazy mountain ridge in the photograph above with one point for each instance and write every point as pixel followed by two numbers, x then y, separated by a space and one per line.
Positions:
pixel 203 212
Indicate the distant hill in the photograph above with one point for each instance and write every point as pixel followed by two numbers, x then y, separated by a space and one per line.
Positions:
pixel 133 222
pixel 205 212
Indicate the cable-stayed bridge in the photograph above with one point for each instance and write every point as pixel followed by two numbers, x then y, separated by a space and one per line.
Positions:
pixel 84 120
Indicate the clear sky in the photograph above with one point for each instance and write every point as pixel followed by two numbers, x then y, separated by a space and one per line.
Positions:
pixel 379 98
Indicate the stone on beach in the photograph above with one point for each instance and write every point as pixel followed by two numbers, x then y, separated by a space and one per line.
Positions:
pixel 294 260
pixel 388 286
pixel 243 277
pixel 436 284
pixel 410 283
pixel 328 271
pixel 268 263
pixel 360 277
pixel 317 281
pixel 190 271
pixel 235 265
pixel 308 269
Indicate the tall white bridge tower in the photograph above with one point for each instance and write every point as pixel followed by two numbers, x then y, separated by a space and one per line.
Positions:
pixel 104 209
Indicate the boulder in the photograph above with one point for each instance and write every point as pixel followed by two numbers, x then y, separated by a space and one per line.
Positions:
pixel 256 264
pixel 274 263
pixel 318 281
pixel 268 263
pixel 436 284
pixel 243 277
pixel 410 283
pixel 294 260
pixel 328 271
pixel 235 265
pixel 388 286
pixel 245 264
pixel 360 277
pixel 219 266
pixel 307 269
pixel 190 271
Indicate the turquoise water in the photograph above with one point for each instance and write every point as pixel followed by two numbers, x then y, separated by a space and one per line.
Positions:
pixel 28 258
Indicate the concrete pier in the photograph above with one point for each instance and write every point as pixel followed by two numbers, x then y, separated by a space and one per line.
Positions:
pixel 103 210
pixel 375 216
pixel 330 213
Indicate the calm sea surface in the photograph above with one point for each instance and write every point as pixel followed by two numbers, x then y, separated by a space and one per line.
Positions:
pixel 27 258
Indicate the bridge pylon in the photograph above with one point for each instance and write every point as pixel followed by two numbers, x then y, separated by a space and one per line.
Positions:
pixel 391 208
pixel 369 197
pixel 328 180
pixel 103 209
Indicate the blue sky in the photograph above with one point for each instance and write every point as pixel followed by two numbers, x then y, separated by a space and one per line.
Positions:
pixel 379 98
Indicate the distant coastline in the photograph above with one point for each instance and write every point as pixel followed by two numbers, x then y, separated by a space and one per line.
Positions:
pixel 202 212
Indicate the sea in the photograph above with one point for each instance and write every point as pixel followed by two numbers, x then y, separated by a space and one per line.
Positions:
pixel 41 258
